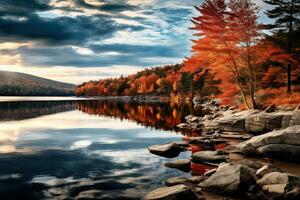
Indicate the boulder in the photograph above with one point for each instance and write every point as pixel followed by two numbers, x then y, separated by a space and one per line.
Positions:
pixel 286 121
pixel 275 190
pixel 295 119
pixel 253 164
pixel 176 181
pixel 283 143
pixel 177 192
pixel 192 119
pixel 168 150
pixel 274 178
pixel 264 122
pixel 217 115
pixel 183 126
pixel 230 179
pixel 276 184
pixel 234 122
pixel 282 151
pixel 183 165
pixel 231 135
pixel 209 156
pixel 194 125
pixel 207 117
pixel 279 178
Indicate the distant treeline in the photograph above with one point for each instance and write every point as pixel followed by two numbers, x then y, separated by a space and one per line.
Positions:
pixel 170 80
pixel 18 90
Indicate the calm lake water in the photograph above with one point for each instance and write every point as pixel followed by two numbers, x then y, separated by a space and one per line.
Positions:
pixel 83 149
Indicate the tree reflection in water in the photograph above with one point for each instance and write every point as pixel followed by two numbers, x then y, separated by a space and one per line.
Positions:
pixel 20 110
pixel 162 116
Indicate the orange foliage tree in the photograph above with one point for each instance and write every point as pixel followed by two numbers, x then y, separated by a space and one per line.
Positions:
pixel 227 34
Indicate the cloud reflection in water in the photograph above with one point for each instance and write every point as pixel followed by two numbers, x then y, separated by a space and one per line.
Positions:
pixel 75 155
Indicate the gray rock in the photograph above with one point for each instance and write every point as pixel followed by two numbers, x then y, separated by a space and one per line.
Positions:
pixel 276 184
pixel 216 115
pixel 183 126
pixel 234 122
pixel 284 144
pixel 183 165
pixel 264 122
pixel 192 119
pixel 230 179
pixel 295 119
pixel 177 192
pixel 209 156
pixel 275 190
pixel 176 181
pixel 286 121
pixel 279 178
pixel 235 136
pixel 255 165
pixel 169 150
pixel 280 150
pixel 207 117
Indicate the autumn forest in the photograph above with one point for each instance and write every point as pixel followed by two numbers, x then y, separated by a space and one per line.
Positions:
pixel 234 58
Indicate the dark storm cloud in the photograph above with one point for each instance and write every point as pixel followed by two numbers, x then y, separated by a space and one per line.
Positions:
pixel 67 56
pixel 58 30
pixel 105 6
pixel 22 7
pixel 53 28
pixel 61 30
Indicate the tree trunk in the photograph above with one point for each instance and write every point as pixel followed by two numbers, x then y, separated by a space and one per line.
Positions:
pixel 290 49
pixel 289 82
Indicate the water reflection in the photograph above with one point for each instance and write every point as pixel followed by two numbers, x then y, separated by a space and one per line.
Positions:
pixel 164 116
pixel 86 150
pixel 19 110
pixel 156 115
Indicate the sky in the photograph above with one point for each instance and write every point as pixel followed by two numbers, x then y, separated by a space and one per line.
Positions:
pixel 79 40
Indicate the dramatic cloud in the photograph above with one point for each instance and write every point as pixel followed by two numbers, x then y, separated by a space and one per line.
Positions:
pixel 93 35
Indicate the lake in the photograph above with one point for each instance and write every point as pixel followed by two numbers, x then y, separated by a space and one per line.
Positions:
pixel 84 149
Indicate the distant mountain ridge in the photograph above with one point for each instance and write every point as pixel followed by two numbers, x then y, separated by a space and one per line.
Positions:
pixel 21 84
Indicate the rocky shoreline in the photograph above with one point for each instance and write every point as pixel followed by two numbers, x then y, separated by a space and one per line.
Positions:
pixel 240 147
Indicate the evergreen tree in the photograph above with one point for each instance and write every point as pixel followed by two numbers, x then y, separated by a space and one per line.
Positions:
pixel 286 14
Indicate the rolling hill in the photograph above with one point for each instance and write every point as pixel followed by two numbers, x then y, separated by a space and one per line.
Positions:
pixel 20 84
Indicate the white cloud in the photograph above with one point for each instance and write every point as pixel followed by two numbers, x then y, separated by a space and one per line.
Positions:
pixel 82 51
pixel 81 144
